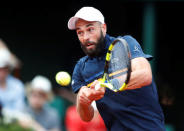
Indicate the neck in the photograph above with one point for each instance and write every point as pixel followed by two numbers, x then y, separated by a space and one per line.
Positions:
pixel 37 110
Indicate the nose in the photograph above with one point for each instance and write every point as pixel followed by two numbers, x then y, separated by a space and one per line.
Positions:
pixel 86 36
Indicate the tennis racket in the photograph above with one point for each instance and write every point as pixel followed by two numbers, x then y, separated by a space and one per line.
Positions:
pixel 117 66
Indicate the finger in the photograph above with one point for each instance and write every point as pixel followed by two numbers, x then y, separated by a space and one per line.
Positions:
pixel 97 86
pixel 102 89
pixel 85 101
pixel 99 96
pixel 93 84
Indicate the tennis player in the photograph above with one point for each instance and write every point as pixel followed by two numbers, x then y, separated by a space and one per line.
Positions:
pixel 135 109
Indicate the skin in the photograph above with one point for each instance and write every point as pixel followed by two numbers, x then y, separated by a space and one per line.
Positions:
pixel 91 36
pixel 88 34
pixel 4 71
pixel 37 99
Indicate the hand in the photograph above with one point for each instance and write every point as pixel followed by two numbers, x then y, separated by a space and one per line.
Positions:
pixel 97 92
pixel 87 95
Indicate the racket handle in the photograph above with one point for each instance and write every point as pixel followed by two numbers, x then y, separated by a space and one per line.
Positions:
pixel 108 85
pixel 99 85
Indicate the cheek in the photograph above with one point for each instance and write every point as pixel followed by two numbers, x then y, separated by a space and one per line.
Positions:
pixel 3 73
pixel 94 38
pixel 35 101
pixel 104 33
pixel 81 40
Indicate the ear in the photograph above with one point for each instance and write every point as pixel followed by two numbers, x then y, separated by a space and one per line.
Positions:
pixel 104 29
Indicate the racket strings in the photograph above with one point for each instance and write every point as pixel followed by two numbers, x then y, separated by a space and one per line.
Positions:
pixel 119 65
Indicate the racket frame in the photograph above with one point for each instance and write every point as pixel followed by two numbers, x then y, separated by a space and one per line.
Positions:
pixel 107 61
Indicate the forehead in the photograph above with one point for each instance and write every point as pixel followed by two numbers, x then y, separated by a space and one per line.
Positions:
pixel 82 23
pixel 38 91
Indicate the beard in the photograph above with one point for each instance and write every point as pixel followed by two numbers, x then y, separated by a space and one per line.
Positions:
pixel 97 50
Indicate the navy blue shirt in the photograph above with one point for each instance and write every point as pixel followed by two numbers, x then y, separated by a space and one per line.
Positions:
pixel 130 110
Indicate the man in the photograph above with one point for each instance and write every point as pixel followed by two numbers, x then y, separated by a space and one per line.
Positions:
pixel 135 109
pixel 12 93
pixel 44 117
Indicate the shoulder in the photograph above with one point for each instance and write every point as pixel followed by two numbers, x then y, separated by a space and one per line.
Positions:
pixel 82 60
pixel 135 48
pixel 77 79
pixel 132 42
pixel 15 82
pixel 79 64
pixel 130 39
pixel 50 110
pixel 51 113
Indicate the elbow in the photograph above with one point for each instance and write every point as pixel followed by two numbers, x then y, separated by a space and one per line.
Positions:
pixel 86 114
pixel 148 79
pixel 86 119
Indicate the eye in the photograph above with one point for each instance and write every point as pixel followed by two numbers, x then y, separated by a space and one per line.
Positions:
pixel 80 33
pixel 91 29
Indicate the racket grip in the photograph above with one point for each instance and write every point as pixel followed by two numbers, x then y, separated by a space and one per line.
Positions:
pixel 108 85
pixel 97 86
pixel 101 84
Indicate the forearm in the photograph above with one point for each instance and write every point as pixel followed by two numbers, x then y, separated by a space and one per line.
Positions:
pixel 84 99
pixel 85 110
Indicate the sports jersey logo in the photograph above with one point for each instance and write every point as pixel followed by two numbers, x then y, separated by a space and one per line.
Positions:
pixel 72 82
pixel 136 48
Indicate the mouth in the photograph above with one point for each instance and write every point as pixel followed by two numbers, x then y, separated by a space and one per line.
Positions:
pixel 90 45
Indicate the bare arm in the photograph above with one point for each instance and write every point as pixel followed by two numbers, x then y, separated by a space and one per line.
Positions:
pixel 84 99
pixel 141 74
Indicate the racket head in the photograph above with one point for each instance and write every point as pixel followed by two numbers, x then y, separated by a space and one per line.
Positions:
pixel 117 68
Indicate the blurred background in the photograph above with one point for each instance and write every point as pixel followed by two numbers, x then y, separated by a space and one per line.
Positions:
pixel 40 39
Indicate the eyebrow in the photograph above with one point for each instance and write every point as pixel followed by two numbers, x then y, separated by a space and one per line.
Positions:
pixel 88 25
